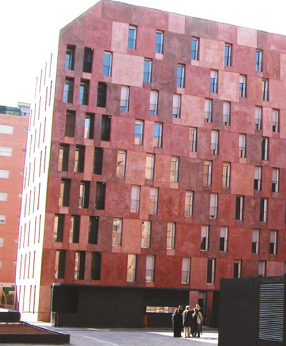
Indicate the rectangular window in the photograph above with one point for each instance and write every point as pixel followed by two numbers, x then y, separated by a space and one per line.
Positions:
pixel 265 89
pixel 146 234
pixel 132 31
pixel 227 54
pixel 226 113
pixel 93 229
pixel 68 90
pixel 149 169
pixel 70 124
pixel 189 196
pixel 135 199
pixel 275 125
pixel 242 145
pixel 121 163
pixel 79 267
pixel 4 173
pixel 147 73
pixel 100 196
pixel 208 110
pixel 7 129
pixel 258 118
pixel 239 206
pixel 205 238
pixel 176 106
pixel 263 209
pixel 2 219
pixel 97 160
pixel 5 151
pixel 255 241
pixel 87 60
pixel 186 268
pixel 261 268
pixel 174 169
pixel 138 132
pixel 64 193
pixel 124 98
pixel 242 86
pixel 117 232
pixel 213 206
pixel 275 180
pixel 105 128
pixel 157 139
pixel 213 81
pixel 192 139
pixel 180 76
pixel 60 264
pixel 265 149
pixel 153 107
pixel 69 60
pixel 101 94
pixel 237 269
pixel 223 239
pixel 131 268
pixel 258 60
pixel 214 142
pixel 79 155
pixel 257 178
pixel 88 126
pixel 207 177
pixel 84 194
pixel 3 196
pixel 83 92
pixel 211 271
pixel 153 201
pixel 95 265
pixel 150 268
pixel 171 235
pixel 107 63
pixel 195 48
pixel 273 242
pixel 159 42
pixel 59 227
pixel 1 242
pixel 226 175
pixel 74 229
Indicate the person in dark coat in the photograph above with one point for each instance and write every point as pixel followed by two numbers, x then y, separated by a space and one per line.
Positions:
pixel 187 321
pixel 177 323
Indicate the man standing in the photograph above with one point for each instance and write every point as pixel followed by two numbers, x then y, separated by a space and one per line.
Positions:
pixel 187 321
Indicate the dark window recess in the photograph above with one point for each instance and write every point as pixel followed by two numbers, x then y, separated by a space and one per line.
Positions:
pixel 64 157
pixel 81 265
pixel 83 92
pixel 210 272
pixel 97 161
pixel 79 158
pixel 65 192
pixel 101 94
pixel 95 265
pixel 105 128
pixel 100 196
pixel 221 244
pixel 69 61
pixel 70 124
pixel 87 60
pixel 75 230
pixel 93 229
pixel 256 184
pixel 84 194
pixel 60 228
pixel 61 264
pixel 68 90
pixel 89 126
pixel 236 265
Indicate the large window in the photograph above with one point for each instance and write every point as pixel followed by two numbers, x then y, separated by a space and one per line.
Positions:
pixel 132 32
pixel 147 73
pixel 107 63
pixel 84 188
pixel 159 42
pixel 97 160
pixel 171 235
pixel 79 158
pixel 153 201
pixel 87 60
pixel 79 266
pixel 70 124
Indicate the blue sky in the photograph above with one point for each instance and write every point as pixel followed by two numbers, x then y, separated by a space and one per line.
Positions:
pixel 29 27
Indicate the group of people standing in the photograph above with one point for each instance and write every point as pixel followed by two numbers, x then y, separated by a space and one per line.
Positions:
pixel 190 318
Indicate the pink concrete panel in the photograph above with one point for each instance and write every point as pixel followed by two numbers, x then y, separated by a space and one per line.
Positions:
pixel 168 264
pixel 188 237
pixel 144 202
pixel 243 59
pixel 169 207
pixel 250 268
pixel 277 153
pixel 53 194
pixel 193 298
pixel 242 111
pixel 271 64
pixel 242 186
pixel 226 33
pixel 119 37
pixel 178 139
pixel 227 209
pixel 146 37
pixel 282 67
pixel 122 132
pixel 247 37
pixel 154 19
pixel 115 271
pixel 127 69
pixel 135 168
pixel 282 123
pixel 44 302
pixel 148 136
pixel 192 110
pixel 224 269
pixel 228 83
pixel 88 163
pixel 162 171
pixel 267 121
pixel 276 216
pixel 239 242
pixel 117 200
pixel 277 91
pixel 198 273
pixel 98 33
pixel 198 83
pixel 131 236
pixel 275 268
pixel 84 230
pixel 276 42
pixel 211 54
pixel 140 102
pixel 228 146
pixel 176 23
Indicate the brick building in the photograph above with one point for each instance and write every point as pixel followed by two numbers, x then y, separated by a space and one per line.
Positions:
pixel 13 133
pixel 166 173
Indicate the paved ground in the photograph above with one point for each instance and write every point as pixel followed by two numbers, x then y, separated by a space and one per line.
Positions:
pixel 132 337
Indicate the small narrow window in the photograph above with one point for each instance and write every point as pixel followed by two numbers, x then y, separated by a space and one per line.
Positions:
pixel 192 139
pixel 223 240
pixel 116 232
pixel 263 209
pixel 93 229
pixel 273 242
pixel 131 268
pixel 135 199
pixel 83 92
pixel 153 201
pixel 138 132
pixel 176 105
pixel 275 125
pixel 195 48
pixel 258 60
pixel 153 107
pixel 63 157
pixel 79 267
pixel 265 89
pixel 211 271
pixel 58 228
pixel 186 267
pixel 149 169
pixel 239 208
pixel 159 42
pixel 257 178
pixel 132 32
pixel 105 128
pixel 60 264
pixel 97 160
pixel 214 142
pixel 227 54
pixel 121 163
pixel 69 61
pixel 275 180
pixel 207 173
pixel 70 124
pixel 147 73
pixel 242 145
pixel 237 269
pixel 107 63
pixel 226 113
pixel 74 229
pixel 213 81
pixel 84 194
pixel 124 99
pixel 101 94
pixel 68 90
pixel 180 76
pixel 146 234
pixel 79 158
pixel 258 118
pixel 174 169
pixel 87 60
pixel 204 238
pixel 150 268
pixel 265 149
pixel 262 268
pixel 100 196
pixel 171 235
pixel 213 206
pixel 242 86
pixel 208 110
pixel 226 175
pixel 157 139
pixel 255 241
pixel 64 193
pixel 95 265
pixel 189 196
pixel 88 126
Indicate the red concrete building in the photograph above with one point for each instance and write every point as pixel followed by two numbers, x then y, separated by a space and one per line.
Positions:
pixel 13 134
pixel 166 167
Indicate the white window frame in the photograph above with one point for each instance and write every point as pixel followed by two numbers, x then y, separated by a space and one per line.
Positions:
pixel 159 43
pixel 226 112
pixel 2 219
pixel 208 110
pixel 153 200
pixel 189 197
pixel 214 142
pixel 275 180
pixel 7 129
pixel 3 196
pixel 5 151
pixel 174 169
pixel 4 173
pixel 171 235
pixel 213 206
pixel 205 230
pixel 242 145
pixel 176 106
pixel 255 241
pixel 258 118
pixel 257 178
pixel 135 199
pixel 146 234
pixel 186 269
pixel 226 175
pixel 153 107
pixel 150 268
pixel 116 232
